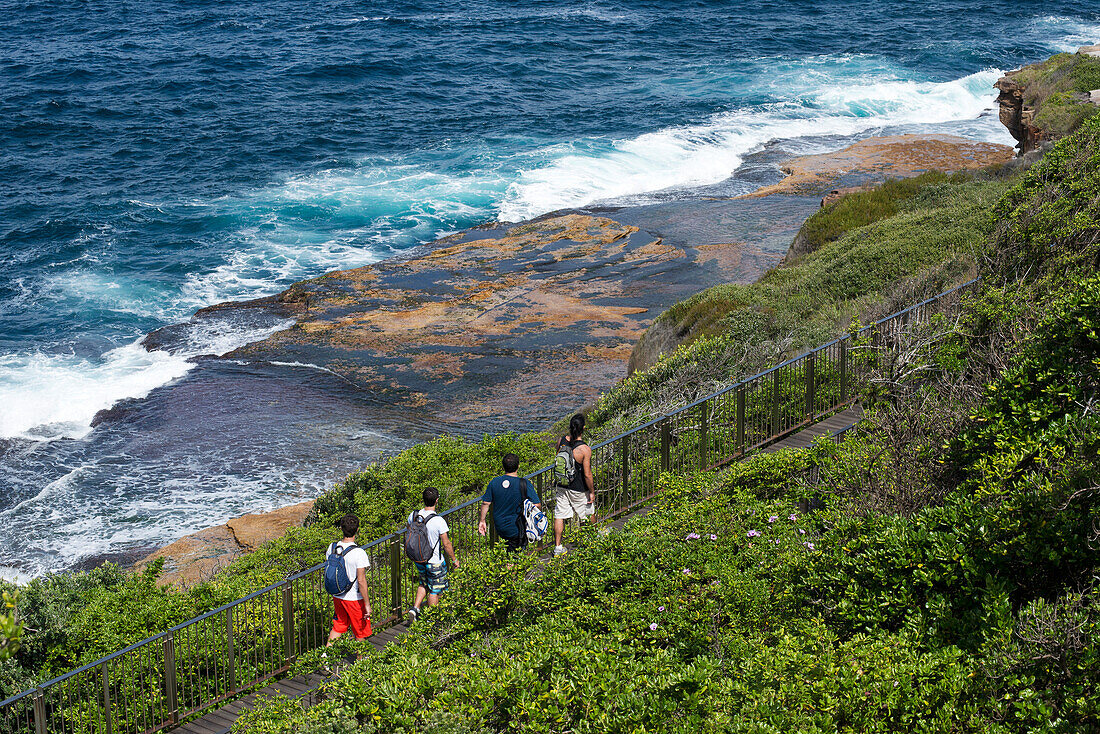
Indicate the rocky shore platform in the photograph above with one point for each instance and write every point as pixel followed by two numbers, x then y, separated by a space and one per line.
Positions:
pixel 896 156
pixel 513 326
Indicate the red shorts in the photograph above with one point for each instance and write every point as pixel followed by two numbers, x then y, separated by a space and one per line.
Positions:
pixel 351 614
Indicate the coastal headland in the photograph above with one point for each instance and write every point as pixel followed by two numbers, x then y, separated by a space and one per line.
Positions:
pixel 512 326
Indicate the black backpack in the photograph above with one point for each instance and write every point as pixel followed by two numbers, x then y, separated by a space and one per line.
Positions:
pixel 418 547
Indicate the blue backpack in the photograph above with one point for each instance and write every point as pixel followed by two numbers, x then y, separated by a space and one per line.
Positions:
pixel 337 582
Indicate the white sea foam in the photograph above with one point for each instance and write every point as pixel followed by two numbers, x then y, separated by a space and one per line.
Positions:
pixel 14 575
pixel 341 219
pixel 679 157
pixel 304 365
pixel 197 495
pixel 52 396
pixel 51 489
pixel 1064 33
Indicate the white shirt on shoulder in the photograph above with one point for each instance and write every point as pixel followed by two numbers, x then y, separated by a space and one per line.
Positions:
pixel 353 561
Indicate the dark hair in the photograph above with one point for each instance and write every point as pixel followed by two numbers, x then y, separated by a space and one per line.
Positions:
pixel 349 524
pixel 576 426
pixel 511 463
pixel 431 496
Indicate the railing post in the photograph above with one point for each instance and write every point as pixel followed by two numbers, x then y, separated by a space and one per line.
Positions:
pixel 40 712
pixel 775 403
pixel 492 530
pixel 170 678
pixel 395 574
pixel 704 417
pixel 811 384
pixel 105 675
pixel 844 370
pixel 741 419
pixel 624 495
pixel 288 621
pixel 230 657
pixel 666 441
pixel 539 484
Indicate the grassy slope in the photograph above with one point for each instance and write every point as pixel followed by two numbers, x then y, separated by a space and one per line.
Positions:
pixel 947 586
pixel 916 239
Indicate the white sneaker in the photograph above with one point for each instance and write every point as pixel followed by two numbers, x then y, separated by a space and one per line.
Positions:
pixel 412 614
pixel 559 550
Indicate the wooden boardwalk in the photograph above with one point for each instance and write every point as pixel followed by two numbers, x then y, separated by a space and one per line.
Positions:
pixel 305 686
pixel 830 426
pixel 301 686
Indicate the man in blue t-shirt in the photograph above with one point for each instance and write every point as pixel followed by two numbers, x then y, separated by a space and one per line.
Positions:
pixel 506 494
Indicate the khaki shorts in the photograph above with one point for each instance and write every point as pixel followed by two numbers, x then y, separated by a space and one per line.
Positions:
pixel 568 502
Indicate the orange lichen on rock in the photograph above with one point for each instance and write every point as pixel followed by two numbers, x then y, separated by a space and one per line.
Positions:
pixel 498 295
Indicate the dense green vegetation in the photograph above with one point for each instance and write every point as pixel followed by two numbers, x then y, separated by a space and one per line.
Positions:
pixel 947 583
pixel 73 619
pixel 11 629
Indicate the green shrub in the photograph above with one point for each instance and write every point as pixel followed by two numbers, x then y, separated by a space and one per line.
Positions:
pixel 1048 224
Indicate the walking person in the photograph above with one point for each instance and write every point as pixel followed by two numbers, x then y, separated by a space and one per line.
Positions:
pixel 426 538
pixel 575 490
pixel 505 494
pixel 346 567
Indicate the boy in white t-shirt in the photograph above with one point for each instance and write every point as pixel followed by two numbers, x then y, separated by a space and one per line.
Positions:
pixel 433 574
pixel 352 607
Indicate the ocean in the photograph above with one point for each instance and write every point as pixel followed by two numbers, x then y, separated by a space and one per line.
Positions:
pixel 157 157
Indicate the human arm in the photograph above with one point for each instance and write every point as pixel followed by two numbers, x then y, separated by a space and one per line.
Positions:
pixel 482 528
pixel 361 576
pixel 586 464
pixel 448 549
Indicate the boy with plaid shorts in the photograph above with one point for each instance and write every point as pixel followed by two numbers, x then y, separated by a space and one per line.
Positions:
pixel 433 574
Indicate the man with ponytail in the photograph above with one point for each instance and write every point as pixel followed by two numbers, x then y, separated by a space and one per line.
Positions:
pixel 574 490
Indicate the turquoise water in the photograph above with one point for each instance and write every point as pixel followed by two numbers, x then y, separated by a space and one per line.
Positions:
pixel 158 157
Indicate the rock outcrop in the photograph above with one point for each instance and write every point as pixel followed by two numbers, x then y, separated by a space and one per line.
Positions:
pixel 197 557
pixel 1050 99
pixel 543 313
pixel 1016 116
pixel 895 156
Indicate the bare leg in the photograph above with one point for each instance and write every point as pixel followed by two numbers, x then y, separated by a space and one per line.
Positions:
pixel 333 635
pixel 420 593
pixel 559 528
pixel 433 599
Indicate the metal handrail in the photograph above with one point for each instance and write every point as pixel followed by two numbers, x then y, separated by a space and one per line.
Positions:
pixel 625 500
pixel 744 381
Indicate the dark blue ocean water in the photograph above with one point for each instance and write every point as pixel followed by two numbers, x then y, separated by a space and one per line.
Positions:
pixel 157 157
